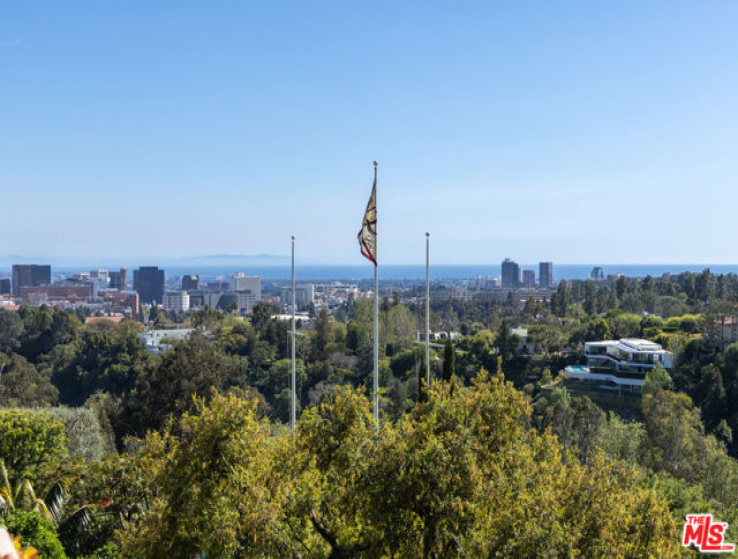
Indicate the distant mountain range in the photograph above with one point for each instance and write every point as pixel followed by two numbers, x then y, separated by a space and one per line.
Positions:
pixel 132 262
pixel 231 257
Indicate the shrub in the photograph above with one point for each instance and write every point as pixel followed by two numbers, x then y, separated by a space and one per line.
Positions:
pixel 85 436
pixel 36 531
pixel 30 439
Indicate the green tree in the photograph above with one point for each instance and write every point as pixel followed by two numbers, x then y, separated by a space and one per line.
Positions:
pixel 675 434
pixel 208 318
pixel 108 361
pixel 22 385
pixel 11 331
pixel 167 386
pixel 588 422
pixel 657 379
pixel 30 440
pixel 215 492
pixel 589 297
pixel 461 475
pixel 600 331
pixel 323 333
pixel 622 440
pixel 448 360
pixel 261 316
pixel 85 436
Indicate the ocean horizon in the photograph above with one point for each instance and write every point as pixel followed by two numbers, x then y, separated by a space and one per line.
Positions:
pixel 398 272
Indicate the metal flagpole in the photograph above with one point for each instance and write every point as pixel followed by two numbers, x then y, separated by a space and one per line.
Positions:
pixel 376 323
pixel 427 310
pixel 293 406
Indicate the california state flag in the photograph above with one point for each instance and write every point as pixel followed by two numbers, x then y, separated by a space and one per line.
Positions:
pixel 368 233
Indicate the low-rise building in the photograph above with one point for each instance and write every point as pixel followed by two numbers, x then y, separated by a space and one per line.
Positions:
pixel 178 301
pixel 523 347
pixel 245 300
pixel 125 302
pixel 159 341
pixel 304 295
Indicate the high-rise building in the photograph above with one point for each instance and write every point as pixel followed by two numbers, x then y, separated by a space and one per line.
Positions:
pixel 597 274
pixel 119 280
pixel 99 280
pixel 30 275
pixel 510 273
pixel 241 282
pixel 529 278
pixel 189 282
pixel 148 282
pixel 545 274
pixel 4 286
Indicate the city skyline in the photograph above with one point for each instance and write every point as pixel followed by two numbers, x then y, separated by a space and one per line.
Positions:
pixel 146 132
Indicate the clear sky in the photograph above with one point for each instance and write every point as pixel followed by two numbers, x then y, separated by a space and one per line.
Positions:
pixel 568 131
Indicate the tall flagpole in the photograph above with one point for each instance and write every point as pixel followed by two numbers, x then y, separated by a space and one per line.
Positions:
pixel 376 325
pixel 293 404
pixel 427 310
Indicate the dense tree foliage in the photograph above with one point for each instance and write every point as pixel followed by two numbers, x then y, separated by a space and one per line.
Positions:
pixel 470 465
pixel 456 477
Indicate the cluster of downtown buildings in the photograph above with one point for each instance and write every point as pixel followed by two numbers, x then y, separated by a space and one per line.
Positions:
pixel 98 290
pixel 513 277
pixel 111 292
pixel 118 293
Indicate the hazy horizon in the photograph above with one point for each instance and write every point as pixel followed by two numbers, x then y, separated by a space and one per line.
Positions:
pixel 273 260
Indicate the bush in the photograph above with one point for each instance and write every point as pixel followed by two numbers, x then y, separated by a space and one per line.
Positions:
pixel 36 531
pixel 29 439
pixel 85 436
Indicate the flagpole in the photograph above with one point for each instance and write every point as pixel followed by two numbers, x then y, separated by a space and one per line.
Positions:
pixel 376 325
pixel 427 310
pixel 293 403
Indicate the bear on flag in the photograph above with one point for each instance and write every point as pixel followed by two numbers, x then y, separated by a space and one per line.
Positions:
pixel 368 234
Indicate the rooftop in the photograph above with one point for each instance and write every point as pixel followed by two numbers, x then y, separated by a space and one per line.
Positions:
pixel 641 345
pixel 630 344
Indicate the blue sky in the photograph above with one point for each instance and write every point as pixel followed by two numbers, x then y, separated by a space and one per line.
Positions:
pixel 568 131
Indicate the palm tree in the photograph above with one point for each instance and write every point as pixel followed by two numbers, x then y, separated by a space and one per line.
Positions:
pixel 53 508
pixel 23 497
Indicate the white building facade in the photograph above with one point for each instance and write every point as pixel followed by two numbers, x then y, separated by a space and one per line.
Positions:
pixel 176 301
pixel 241 282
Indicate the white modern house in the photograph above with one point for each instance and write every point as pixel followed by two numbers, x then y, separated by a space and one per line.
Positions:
pixel 620 365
